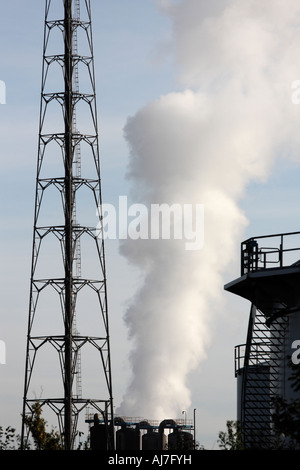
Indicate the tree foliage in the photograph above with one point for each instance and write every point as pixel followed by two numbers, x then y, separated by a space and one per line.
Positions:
pixel 37 429
pixel 43 440
pixel 8 438
pixel 286 415
pixel 232 438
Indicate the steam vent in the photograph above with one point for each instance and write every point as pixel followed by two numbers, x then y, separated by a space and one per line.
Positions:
pixel 270 279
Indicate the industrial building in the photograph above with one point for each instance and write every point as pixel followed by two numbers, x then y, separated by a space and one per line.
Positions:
pixel 270 276
pixel 142 434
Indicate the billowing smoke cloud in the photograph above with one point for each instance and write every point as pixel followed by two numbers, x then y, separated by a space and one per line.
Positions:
pixel 236 62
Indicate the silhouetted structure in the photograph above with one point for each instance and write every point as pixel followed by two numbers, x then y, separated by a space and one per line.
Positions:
pixel 270 279
pixel 136 434
pixel 68 279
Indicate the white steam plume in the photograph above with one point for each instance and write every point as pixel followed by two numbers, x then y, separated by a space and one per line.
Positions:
pixel 236 62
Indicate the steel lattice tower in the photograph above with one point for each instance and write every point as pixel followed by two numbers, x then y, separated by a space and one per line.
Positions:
pixel 62 286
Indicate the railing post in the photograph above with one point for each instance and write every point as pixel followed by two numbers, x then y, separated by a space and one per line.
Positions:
pixel 242 260
pixel 281 251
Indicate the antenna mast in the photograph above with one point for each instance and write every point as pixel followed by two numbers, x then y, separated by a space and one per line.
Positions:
pixel 60 141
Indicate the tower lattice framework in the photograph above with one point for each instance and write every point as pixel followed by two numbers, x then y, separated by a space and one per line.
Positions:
pixel 68 366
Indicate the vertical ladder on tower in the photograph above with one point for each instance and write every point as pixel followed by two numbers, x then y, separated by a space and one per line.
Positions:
pixel 77 173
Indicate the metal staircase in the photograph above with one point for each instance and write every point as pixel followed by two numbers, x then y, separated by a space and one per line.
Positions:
pixel 259 370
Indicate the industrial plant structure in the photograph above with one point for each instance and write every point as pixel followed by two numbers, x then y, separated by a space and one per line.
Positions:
pixel 68 278
pixel 141 434
pixel 68 274
pixel 270 279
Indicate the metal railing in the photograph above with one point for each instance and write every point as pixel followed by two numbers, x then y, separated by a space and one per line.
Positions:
pixel 260 355
pixel 239 358
pixel 269 251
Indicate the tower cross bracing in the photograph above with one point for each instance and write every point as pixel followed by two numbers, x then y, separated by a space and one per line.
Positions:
pixel 68 288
